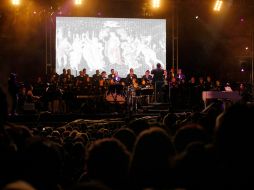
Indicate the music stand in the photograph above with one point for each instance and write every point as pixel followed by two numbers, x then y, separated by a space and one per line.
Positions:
pixel 116 89
pixel 147 92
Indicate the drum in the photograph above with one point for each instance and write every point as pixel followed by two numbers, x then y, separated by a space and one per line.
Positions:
pixel 115 98
pixel 116 89
pixel 115 94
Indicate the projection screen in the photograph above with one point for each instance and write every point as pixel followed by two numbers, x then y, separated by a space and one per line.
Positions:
pixel 110 43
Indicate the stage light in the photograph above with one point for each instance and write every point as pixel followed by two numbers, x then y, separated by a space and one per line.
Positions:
pixel 78 2
pixel 156 4
pixel 218 5
pixel 15 2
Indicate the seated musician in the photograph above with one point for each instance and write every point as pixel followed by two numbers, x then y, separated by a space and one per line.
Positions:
pixel 130 77
pixel 30 97
pixel 135 83
pixel 147 78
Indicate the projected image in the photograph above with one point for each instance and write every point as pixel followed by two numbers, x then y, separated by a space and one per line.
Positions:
pixel 110 43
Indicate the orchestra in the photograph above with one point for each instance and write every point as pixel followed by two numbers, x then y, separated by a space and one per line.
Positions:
pixel 60 91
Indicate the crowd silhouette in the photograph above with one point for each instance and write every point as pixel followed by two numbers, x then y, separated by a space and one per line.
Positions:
pixel 211 149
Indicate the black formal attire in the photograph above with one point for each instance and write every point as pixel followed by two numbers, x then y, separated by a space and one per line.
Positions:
pixel 129 78
pixel 13 89
pixel 158 81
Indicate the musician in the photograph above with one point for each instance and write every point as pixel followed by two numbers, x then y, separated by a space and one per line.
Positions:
pixel 158 74
pixel 130 77
pixel 62 76
pixel 70 77
pixel 104 75
pixel 135 83
pixel 166 77
pixel 193 93
pixel 180 77
pixel 209 83
pixel 218 86
pixel 103 78
pixel 80 78
pixel 147 78
pixel 173 83
pixel 84 72
pixel 21 98
pixel 52 96
pixel 112 74
pixel 96 78
pixel 158 80
pixel 30 97
pixel 39 87
pixel 171 73
pixel 87 79
pixel 117 79
pixel 13 89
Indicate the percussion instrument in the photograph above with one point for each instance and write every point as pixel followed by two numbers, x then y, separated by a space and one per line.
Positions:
pixel 115 94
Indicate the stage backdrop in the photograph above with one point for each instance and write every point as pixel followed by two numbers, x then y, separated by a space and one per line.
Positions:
pixel 106 43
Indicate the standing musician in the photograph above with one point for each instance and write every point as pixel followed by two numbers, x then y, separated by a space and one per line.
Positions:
pixel 70 77
pixel 117 79
pixel 62 76
pixel 103 78
pixel 180 77
pixel 87 79
pixel 96 78
pixel 166 77
pixel 80 80
pixel 158 80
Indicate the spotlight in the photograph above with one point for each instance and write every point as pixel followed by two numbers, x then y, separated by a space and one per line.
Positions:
pixel 156 4
pixel 78 2
pixel 15 2
pixel 196 17
pixel 217 6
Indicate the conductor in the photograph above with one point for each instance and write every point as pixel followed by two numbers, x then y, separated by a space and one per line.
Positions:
pixel 158 81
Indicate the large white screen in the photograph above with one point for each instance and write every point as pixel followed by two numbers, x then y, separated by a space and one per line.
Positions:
pixel 106 43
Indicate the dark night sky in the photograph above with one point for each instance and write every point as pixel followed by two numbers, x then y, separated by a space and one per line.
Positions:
pixel 212 44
